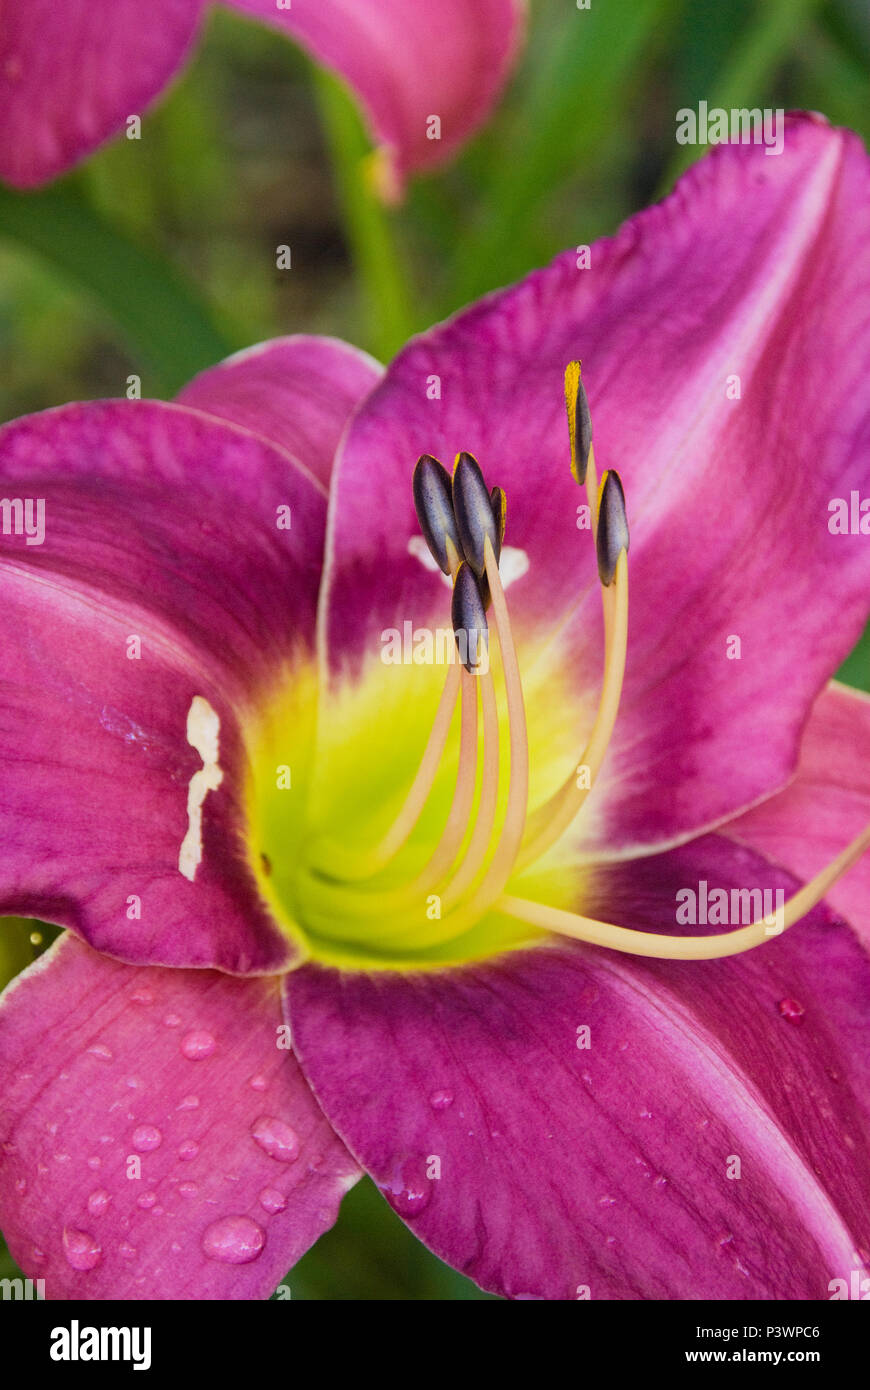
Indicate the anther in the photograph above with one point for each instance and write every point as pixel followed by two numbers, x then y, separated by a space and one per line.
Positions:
pixel 473 509
pixel 612 533
pixel 469 619
pixel 499 511
pixel 579 421
pixel 433 503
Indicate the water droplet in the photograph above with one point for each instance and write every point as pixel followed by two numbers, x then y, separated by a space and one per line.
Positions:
pixel 146 1138
pixel 276 1139
pixel 94 1163
pixel 126 1250
pixel 189 1103
pixel 257 1083
pixel 234 1240
pixel 606 1201
pixel 441 1100
pixel 410 1191
pixel 147 1200
pixel 188 1189
pixel 272 1201
pixel 142 996
pixel 100 1050
pixel 80 1248
pixel 791 1010
pixel 188 1150
pixel 20 1186
pixel 134 1082
pixel 172 1020
pixel 197 1045
pixel 61 1158
pixel 37 1254
pixel 98 1201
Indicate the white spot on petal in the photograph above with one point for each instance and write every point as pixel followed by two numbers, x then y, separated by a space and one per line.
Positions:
pixel 203 731
pixel 512 566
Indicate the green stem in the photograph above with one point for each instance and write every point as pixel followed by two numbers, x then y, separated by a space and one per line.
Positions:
pixel 767 41
pixel 367 223
pixel 161 318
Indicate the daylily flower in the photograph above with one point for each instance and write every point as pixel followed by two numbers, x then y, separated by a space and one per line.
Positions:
pixel 321 922
pixel 426 74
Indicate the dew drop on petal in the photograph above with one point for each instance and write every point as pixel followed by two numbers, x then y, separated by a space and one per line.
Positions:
pixel 410 1190
pixel 81 1250
pixel 188 1189
pixel 791 1010
pixel 146 1138
pixel 142 996
pixel 94 1163
pixel 234 1240
pixel 189 1103
pixel 276 1139
pixel 99 1201
pixel 126 1250
pixel 257 1083
pixel 441 1100
pixel 188 1150
pixel 100 1050
pixel 147 1200
pixel 172 1020
pixel 197 1045
pixel 272 1201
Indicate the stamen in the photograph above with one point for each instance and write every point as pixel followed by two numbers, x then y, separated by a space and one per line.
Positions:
pixel 611 536
pixel 473 508
pixel 664 947
pixel 552 819
pixel 483 826
pixel 579 421
pixel 497 874
pixel 498 501
pixel 433 503
pixel 470 627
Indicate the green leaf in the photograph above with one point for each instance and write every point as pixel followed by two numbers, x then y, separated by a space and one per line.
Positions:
pixel 161 318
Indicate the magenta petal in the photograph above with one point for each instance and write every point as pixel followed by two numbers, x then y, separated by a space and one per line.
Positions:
pixel 728 499
pixel 407 61
pixel 159 525
pixel 827 805
pixel 104 1065
pixel 299 392
pixel 72 73
pixel 607 1166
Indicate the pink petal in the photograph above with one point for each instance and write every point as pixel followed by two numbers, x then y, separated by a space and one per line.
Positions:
pixel 298 392
pixel 159 523
pixel 828 803
pixel 728 500
pixel 104 1064
pixel 72 73
pixel 407 61
pixel 554 1166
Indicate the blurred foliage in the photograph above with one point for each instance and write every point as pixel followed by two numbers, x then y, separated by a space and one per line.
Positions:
pixel 251 150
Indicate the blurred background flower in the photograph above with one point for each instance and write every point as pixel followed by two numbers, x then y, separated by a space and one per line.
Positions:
pixel 159 255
